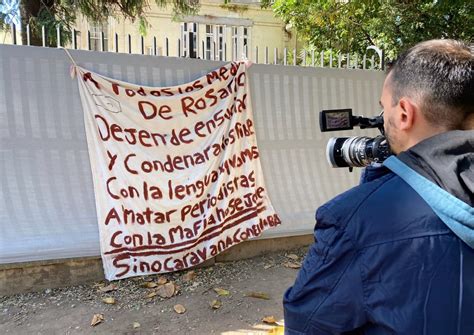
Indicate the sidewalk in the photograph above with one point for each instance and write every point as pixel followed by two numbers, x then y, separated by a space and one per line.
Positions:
pixel 227 298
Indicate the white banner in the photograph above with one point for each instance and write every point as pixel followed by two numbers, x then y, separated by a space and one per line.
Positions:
pixel 176 170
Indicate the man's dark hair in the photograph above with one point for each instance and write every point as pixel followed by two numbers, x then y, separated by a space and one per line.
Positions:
pixel 439 74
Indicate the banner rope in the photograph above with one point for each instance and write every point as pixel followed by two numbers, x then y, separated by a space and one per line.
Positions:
pixel 73 65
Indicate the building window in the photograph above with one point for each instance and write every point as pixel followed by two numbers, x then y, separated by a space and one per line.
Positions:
pixel 245 40
pixel 215 42
pixel 189 39
pixel 240 42
pixel 235 42
pixel 209 42
pixel 220 39
pixel 96 37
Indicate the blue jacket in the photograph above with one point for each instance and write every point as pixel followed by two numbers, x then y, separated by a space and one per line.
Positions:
pixel 394 255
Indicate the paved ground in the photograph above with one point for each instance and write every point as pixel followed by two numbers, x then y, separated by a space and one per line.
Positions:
pixel 227 298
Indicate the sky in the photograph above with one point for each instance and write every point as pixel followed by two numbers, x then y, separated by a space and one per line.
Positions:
pixel 10 7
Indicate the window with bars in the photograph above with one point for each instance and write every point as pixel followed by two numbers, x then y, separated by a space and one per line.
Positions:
pixel 96 37
pixel 245 40
pixel 235 42
pixel 189 39
pixel 209 42
pixel 220 42
pixel 215 42
pixel 240 42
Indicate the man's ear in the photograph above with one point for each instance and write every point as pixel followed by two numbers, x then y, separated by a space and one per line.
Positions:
pixel 408 114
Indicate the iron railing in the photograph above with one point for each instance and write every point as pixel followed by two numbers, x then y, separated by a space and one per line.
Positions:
pixel 373 59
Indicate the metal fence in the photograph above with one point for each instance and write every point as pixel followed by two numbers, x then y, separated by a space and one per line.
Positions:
pixel 373 59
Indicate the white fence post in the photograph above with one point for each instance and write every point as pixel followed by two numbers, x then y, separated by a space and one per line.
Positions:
pixel 58 36
pixel 28 41
pixel 73 39
pixel 213 52
pixel 43 35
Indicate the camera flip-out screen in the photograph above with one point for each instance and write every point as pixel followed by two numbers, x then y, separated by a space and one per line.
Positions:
pixel 335 119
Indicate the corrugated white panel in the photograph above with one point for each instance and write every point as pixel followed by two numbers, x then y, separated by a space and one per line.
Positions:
pixel 47 208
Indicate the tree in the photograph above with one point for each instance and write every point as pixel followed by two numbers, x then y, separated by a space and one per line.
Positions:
pixel 63 13
pixel 392 25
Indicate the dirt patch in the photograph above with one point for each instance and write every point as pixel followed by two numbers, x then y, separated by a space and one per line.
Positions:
pixel 227 298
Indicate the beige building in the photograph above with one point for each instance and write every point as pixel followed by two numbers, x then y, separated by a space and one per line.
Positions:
pixel 218 32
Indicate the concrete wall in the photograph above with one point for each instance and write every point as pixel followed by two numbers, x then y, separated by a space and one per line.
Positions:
pixel 36 276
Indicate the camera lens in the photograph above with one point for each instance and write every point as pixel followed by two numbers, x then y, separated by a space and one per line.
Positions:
pixel 356 151
pixel 334 152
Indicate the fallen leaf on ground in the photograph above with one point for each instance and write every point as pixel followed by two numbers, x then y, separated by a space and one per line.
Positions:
pixel 136 325
pixel 293 257
pixel 179 309
pixel 258 295
pixel 267 266
pixel 162 280
pixel 167 290
pixel 150 284
pixel 278 330
pixel 188 276
pixel 221 291
pixel 269 319
pixel 292 265
pixel 108 288
pixel 152 294
pixel 96 319
pixel 215 304
pixel 109 300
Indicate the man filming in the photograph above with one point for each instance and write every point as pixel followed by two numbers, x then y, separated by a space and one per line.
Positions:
pixel 395 255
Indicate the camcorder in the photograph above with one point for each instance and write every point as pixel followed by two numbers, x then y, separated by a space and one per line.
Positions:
pixel 355 151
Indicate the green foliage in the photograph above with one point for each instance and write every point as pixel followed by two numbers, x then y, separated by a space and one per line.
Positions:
pixel 392 25
pixel 58 16
pixel 100 10
pixel 8 12
pixel 240 9
pixel 63 13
